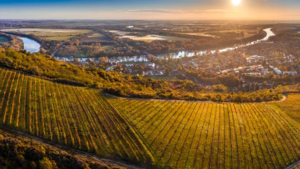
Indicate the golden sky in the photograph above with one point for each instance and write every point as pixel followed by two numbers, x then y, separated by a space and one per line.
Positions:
pixel 151 9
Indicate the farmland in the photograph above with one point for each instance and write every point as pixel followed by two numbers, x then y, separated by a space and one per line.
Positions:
pixel 233 33
pixel 291 106
pixel 210 135
pixel 3 39
pixel 107 47
pixel 73 116
pixel 51 34
pixel 96 37
pixel 178 134
pixel 146 38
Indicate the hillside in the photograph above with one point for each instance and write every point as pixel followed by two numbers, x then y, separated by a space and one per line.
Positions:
pixel 126 85
pixel 179 134
pixel 291 106
pixel 77 117
pixel 210 135
pixel 19 152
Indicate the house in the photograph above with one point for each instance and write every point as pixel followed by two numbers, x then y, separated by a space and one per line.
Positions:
pixel 151 66
pixel 289 73
pixel 276 70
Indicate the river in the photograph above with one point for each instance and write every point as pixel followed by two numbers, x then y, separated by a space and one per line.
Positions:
pixel 192 53
pixel 30 45
pixel 202 52
pixel 33 46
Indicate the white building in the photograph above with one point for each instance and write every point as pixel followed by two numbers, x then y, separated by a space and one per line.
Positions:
pixel 264 72
pixel 276 70
pixel 290 73
pixel 253 74
pixel 254 58
pixel 151 66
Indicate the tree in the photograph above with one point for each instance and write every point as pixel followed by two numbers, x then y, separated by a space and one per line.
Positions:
pixel 179 68
pixel 45 163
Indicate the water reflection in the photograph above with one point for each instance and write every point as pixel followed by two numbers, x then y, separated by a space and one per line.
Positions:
pixel 180 54
pixel 30 45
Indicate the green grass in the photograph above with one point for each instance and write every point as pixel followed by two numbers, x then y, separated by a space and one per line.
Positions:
pixel 108 47
pixel 96 37
pixel 147 38
pixel 3 39
pixel 58 37
pixel 51 34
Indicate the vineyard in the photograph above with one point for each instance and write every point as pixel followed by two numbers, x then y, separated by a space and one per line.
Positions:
pixel 177 134
pixel 73 116
pixel 210 135
pixel 291 106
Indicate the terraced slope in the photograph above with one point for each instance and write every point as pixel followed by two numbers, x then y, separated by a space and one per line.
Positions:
pixel 73 116
pixel 211 135
pixel 291 106
pixel 178 134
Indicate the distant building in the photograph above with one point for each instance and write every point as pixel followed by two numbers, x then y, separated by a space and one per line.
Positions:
pixel 277 71
pixel 289 73
pixel 151 66
pixel 253 74
pixel 254 58
pixel 110 68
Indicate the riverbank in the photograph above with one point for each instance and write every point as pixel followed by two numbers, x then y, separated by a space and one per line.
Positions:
pixel 30 43
pixel 12 42
pixel 184 53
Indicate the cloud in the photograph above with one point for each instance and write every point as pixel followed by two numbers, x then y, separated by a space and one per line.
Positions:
pixel 178 11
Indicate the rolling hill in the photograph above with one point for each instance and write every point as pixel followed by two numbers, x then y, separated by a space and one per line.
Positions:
pixel 176 134
pixel 210 135
pixel 78 117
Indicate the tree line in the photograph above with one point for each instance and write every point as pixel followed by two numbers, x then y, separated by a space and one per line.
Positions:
pixel 125 85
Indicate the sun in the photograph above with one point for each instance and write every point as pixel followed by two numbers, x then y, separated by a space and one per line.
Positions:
pixel 236 2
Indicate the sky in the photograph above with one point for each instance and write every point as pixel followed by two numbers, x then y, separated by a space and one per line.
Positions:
pixel 150 9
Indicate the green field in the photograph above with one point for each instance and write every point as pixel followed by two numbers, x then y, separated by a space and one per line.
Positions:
pixel 146 38
pixel 96 37
pixel 108 47
pixel 210 135
pixel 3 39
pixel 178 134
pixel 51 34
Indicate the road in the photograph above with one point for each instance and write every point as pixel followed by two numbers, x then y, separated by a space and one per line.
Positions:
pixel 113 162
pixel 53 54
pixel 141 99
pixel 294 165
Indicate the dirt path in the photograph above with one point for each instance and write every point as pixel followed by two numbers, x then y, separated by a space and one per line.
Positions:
pixel 283 99
pixel 294 165
pixel 90 156
pixel 130 98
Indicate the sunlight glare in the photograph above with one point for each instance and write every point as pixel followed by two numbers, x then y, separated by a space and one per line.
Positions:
pixel 236 2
